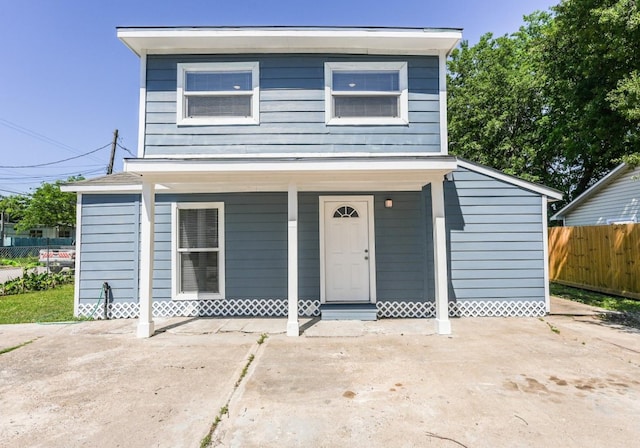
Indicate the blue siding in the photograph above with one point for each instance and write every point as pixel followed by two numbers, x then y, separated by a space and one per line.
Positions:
pixel 255 243
pixel 494 234
pixel 109 246
pixel 495 239
pixel 400 246
pixel 291 111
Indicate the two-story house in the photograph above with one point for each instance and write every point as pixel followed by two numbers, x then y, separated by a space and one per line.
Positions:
pixel 288 171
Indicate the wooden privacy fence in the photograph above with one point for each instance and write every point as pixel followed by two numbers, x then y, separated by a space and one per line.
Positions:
pixel 600 258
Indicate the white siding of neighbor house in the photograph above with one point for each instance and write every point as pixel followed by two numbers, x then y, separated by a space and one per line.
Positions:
pixel 618 200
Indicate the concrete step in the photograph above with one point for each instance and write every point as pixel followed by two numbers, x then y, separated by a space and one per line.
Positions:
pixel 348 311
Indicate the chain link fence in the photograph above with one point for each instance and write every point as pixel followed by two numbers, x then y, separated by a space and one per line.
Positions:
pixel 26 253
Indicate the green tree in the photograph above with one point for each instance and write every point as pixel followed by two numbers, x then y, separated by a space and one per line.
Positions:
pixel 50 207
pixel 592 55
pixel 13 207
pixel 496 103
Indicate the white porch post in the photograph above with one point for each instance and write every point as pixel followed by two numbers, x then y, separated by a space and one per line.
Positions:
pixel 443 325
pixel 293 328
pixel 145 319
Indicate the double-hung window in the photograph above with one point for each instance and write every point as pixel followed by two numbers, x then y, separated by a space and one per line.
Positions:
pixel 218 93
pixel 198 250
pixel 366 93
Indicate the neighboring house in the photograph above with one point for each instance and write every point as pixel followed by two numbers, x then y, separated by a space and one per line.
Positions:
pixel 303 172
pixel 615 199
pixel 9 234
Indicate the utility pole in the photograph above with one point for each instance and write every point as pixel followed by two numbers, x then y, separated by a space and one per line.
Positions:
pixel 113 152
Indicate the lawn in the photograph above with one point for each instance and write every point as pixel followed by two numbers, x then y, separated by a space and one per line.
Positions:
pixel 628 310
pixel 52 305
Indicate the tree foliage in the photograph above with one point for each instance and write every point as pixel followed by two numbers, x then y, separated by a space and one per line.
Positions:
pixel 556 102
pixel 13 207
pixel 46 206
pixel 49 207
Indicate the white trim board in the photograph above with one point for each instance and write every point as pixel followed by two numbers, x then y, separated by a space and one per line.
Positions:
pixel 289 40
pixel 552 195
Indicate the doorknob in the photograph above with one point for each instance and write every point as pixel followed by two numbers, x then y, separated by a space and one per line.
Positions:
pixel 366 251
pixel 366 258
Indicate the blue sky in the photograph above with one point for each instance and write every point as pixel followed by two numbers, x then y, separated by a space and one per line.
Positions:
pixel 66 81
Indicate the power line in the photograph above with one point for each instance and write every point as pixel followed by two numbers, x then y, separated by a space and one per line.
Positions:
pixel 57 161
pixel 126 149
pixel 38 136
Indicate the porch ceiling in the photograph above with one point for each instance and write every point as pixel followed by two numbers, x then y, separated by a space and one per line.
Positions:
pixel 328 174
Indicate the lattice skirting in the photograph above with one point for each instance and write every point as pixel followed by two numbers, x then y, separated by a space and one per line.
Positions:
pixel 466 308
pixel 205 308
pixel 311 308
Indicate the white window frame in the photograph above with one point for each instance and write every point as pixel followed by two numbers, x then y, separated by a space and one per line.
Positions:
pixel 191 67
pixel 175 259
pixel 403 102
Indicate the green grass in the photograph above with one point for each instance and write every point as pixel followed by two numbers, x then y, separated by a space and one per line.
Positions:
pixel 605 301
pixel 53 305
pixel 27 262
pixel 626 311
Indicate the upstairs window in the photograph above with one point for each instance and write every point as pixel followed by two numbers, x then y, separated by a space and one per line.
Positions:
pixel 218 93
pixel 366 93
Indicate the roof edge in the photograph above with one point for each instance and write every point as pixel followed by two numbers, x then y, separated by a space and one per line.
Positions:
pixel 551 193
pixel 593 189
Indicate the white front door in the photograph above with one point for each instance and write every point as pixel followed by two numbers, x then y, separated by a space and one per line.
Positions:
pixel 347 251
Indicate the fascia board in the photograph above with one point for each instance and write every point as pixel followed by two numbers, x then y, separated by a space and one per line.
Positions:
pixel 157 167
pixel 202 40
pixel 545 191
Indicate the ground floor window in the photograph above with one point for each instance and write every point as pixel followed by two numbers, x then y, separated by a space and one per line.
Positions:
pixel 198 250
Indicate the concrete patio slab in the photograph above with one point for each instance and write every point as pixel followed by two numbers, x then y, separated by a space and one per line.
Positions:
pixel 559 380
pixel 494 382
pixel 567 307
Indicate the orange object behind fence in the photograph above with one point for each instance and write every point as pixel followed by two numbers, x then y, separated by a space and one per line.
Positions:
pixel 600 258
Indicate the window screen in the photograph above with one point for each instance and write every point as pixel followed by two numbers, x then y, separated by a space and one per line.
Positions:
pixel 366 106
pixel 218 106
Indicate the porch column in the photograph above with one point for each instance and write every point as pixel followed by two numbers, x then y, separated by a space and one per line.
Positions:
pixel 443 325
pixel 293 328
pixel 147 221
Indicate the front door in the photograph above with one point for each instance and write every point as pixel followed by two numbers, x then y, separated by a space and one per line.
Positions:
pixel 347 254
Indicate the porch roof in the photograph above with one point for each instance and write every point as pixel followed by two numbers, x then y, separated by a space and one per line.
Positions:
pixel 389 173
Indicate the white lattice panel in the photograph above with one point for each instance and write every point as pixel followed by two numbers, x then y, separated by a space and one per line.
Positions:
pixel 497 308
pixel 405 309
pixel 206 308
pixel 311 308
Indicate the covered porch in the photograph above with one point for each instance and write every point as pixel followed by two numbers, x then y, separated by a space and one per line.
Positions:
pixel 340 180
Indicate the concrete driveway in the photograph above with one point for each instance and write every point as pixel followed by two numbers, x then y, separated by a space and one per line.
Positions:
pixel 562 381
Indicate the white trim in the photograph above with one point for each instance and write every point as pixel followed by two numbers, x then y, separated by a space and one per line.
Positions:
pixel 146 326
pixel 76 286
pixel 442 86
pixel 550 193
pixel 148 166
pixel 142 100
pixel 417 41
pixel 403 95
pixel 175 274
pixel 589 192
pixel 443 325
pixel 293 328
pixel 277 155
pixel 545 254
pixel 183 68
pixel 102 188
pixel 370 200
